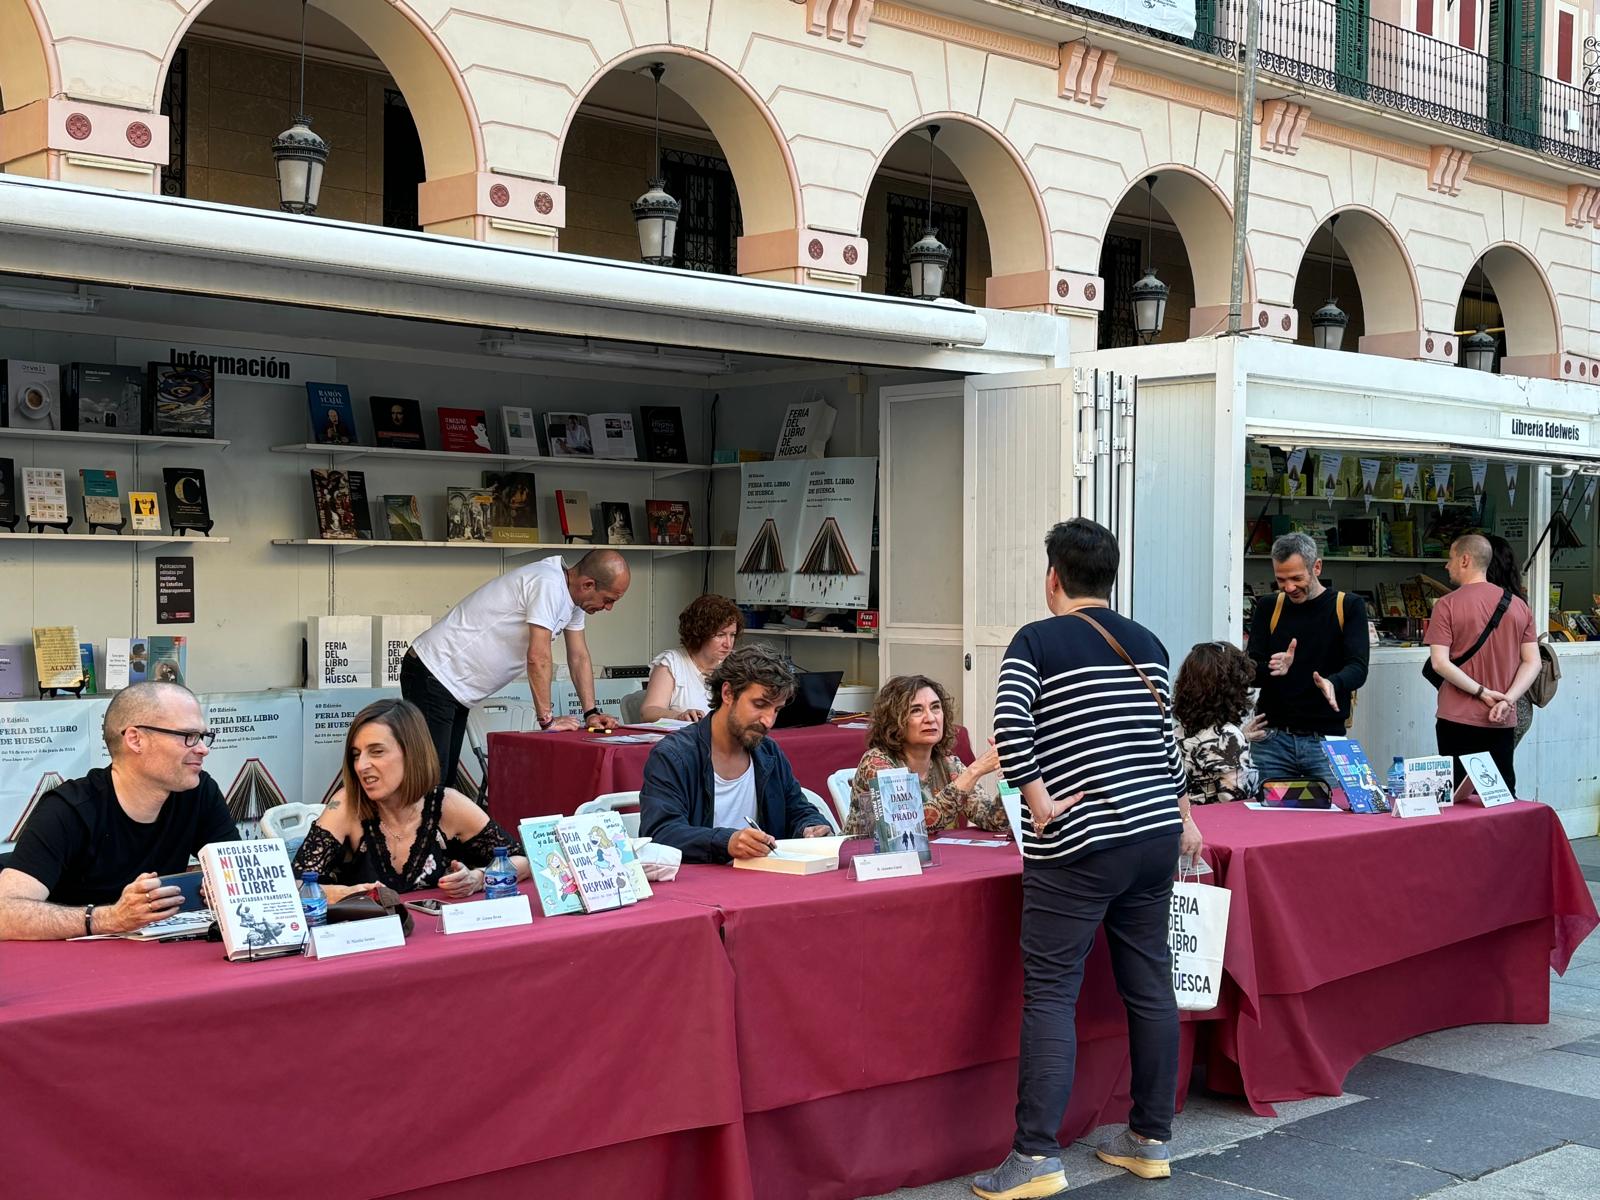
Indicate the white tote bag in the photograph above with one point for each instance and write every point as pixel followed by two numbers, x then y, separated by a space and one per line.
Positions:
pixel 1197 932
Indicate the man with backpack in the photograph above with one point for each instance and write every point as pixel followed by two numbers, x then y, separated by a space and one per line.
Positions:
pixel 1310 649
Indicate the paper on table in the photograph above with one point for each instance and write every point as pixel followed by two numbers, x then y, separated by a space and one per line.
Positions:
pixel 667 723
pixel 813 847
pixel 635 738
pixel 960 841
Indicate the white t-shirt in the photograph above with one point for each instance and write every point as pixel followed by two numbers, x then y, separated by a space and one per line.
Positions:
pixel 481 644
pixel 688 684
pixel 735 800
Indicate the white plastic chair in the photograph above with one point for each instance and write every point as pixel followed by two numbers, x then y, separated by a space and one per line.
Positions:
pixel 633 708
pixel 821 806
pixel 614 802
pixel 839 788
pixel 291 822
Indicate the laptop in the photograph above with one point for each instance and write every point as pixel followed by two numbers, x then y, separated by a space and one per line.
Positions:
pixel 812 703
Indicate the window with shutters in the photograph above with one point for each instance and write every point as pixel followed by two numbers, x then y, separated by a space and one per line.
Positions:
pixel 1119 269
pixel 1467 24
pixel 1564 31
pixel 1425 16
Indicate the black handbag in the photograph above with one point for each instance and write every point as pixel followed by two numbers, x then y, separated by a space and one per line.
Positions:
pixel 1435 680
pixel 380 902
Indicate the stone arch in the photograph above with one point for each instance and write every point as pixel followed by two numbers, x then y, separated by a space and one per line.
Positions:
pixel 758 155
pixel 28 67
pixel 441 106
pixel 1001 183
pixel 1391 300
pixel 1205 223
pixel 1527 302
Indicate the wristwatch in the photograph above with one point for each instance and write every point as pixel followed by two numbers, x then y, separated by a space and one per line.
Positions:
pixel 88 920
pixel 546 722
pixel 592 712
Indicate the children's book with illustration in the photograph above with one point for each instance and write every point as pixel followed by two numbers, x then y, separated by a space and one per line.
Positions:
pixel 590 843
pixel 553 876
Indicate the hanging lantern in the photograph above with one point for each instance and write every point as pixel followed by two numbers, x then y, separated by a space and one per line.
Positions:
pixel 656 213
pixel 1478 350
pixel 1149 306
pixel 1328 325
pixel 299 154
pixel 928 260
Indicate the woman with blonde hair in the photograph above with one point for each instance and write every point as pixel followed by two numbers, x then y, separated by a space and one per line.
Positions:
pixel 392 822
pixel 913 726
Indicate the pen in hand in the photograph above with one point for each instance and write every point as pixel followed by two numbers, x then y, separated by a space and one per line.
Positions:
pixel 751 822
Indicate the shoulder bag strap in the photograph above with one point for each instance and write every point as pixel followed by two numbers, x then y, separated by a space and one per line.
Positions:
pixel 1277 611
pixel 1123 655
pixel 1500 611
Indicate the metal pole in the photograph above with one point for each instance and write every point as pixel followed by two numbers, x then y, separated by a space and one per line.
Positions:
pixel 1241 165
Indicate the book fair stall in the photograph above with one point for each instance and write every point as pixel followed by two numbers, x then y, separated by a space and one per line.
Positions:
pixel 238 456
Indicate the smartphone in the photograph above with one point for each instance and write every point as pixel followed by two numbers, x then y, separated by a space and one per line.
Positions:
pixel 189 884
pixel 431 907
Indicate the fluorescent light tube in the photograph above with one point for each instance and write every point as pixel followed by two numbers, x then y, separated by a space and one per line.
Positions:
pixel 31 300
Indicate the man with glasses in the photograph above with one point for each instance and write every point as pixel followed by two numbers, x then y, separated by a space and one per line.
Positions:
pixel 91 854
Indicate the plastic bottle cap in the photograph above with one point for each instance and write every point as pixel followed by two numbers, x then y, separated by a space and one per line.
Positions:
pixel 308 877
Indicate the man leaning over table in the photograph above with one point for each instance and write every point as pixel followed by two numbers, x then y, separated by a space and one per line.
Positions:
pixel 91 853
pixel 720 789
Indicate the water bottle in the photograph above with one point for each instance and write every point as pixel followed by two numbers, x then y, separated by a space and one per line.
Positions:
pixel 500 877
pixel 1396 785
pixel 312 902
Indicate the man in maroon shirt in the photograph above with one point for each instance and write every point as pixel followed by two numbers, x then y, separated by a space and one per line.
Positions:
pixel 1478 699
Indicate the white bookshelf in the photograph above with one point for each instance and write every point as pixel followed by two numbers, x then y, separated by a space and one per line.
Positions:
pixel 71 437
pixel 142 539
pixel 778 631
pixel 343 455
pixel 350 545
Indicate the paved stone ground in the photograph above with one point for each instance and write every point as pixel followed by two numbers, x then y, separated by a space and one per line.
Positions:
pixel 1485 1112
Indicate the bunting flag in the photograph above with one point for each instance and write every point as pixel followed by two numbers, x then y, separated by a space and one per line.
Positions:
pixel 1480 473
pixel 1443 482
pixel 1297 473
pixel 1511 484
pixel 1588 498
pixel 1405 476
pixel 1369 479
pixel 1330 466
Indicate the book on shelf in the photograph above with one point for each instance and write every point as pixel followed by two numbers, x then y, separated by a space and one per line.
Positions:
pixel 1403 539
pixel 397 422
pixel 333 417
pixel 144 509
pixel 553 877
pixel 567 435
pixel 514 510
pixel 118 652
pixel 8 492
pixel 330 494
pixel 897 817
pixel 464 431
pixel 360 504
pixel 521 430
pixel 57 660
pixel 253 895
pixel 404 518
pixel 1393 603
pixel 669 522
pixel 468 514
pixel 805 430
pixel 1258 467
pixel 662 426
pixel 1416 605
pixel 796 856
pixel 576 521
pixel 182 401
pixel 188 505
pixel 44 495
pixel 589 844
pixel 160 659
pixel 11 671
pixel 91 684
pixel 617 518
pixel 102 499
pixel 32 396
pixel 102 398
pixel 612 436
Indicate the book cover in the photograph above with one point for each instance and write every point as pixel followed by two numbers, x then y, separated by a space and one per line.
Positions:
pixel 1259 468
pixel 333 417
pixel 464 430
pixel 1416 607
pixel 188 506
pixel 612 435
pixel 669 522
pixel 182 402
pixel 1432 778
pixel 8 492
pixel 102 501
pixel 12 686
pixel 553 876
pixel 567 435
pixel 1403 539
pixel 86 662
pixel 145 510
pixel 162 659
pixel 330 495
pixel 467 515
pixel 397 422
pixel 805 429
pixel 254 897
pixel 118 652
pixel 662 426
pixel 57 661
pixel 359 503
pixel 1363 792
pixel 521 430
pixel 898 822
pixel 32 398
pixel 44 495
pixel 617 517
pixel 596 863
pixel 1394 604
pixel 576 521
pixel 513 511
pixel 102 398
pixel 404 518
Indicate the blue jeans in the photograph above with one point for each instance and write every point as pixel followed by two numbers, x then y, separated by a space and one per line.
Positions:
pixel 1283 755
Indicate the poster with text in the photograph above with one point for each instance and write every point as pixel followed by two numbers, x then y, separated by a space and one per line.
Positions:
pixel 324 720
pixel 44 743
pixel 835 543
pixel 766 552
pixel 257 758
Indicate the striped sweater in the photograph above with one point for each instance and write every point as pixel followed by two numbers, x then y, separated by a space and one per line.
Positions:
pixel 1071 713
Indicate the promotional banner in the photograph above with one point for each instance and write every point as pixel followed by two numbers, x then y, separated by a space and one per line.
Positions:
pixel 1170 16
pixel 257 758
pixel 836 534
pixel 324 720
pixel 44 743
pixel 771 500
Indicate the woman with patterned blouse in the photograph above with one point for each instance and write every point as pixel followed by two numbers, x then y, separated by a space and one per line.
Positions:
pixel 1210 700
pixel 910 729
pixel 392 821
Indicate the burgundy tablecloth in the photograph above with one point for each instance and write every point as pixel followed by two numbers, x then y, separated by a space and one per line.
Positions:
pixel 156 1071
pixel 879 1022
pixel 537 774
pixel 1350 933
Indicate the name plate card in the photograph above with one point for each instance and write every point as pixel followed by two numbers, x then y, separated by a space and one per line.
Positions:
pixel 896 865
pixel 486 914
pixel 356 937
pixel 1484 784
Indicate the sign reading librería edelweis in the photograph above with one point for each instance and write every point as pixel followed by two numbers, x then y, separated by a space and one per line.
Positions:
pixel 1523 427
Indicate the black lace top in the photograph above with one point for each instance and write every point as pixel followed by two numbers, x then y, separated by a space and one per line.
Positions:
pixel 431 852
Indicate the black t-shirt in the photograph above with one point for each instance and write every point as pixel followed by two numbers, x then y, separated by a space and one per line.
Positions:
pixel 81 845
pixel 1293 701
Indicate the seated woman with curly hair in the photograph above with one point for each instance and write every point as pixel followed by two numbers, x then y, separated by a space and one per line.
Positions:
pixel 707 630
pixel 1210 701
pixel 913 726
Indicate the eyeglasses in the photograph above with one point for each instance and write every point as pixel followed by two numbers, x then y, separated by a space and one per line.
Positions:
pixel 191 738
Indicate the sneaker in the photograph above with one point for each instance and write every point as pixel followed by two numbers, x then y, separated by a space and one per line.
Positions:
pixel 1021 1177
pixel 1147 1160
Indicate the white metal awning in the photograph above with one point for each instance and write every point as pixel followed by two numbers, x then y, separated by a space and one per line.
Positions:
pixel 1333 437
